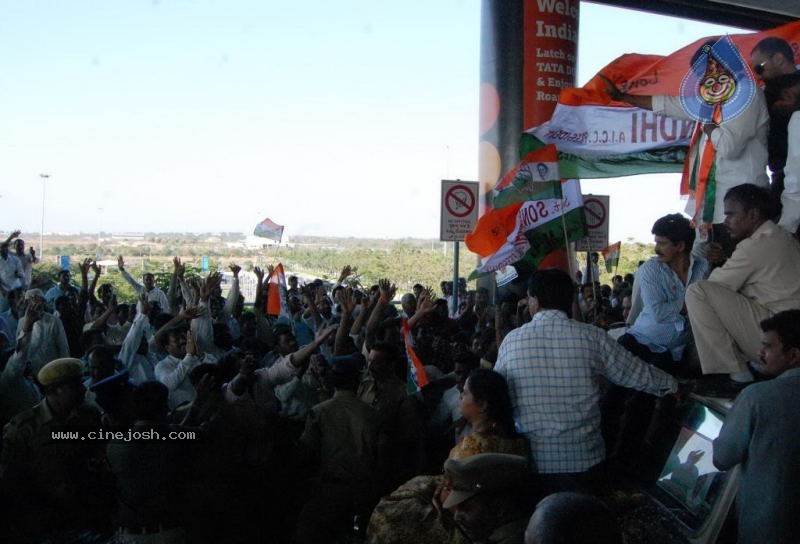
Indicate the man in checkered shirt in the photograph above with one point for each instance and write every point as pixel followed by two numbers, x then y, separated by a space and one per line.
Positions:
pixel 553 367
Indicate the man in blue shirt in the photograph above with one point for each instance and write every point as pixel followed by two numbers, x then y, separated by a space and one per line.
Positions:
pixel 661 331
pixel 760 433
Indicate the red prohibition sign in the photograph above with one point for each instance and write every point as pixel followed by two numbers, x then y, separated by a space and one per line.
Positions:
pixel 595 212
pixel 459 201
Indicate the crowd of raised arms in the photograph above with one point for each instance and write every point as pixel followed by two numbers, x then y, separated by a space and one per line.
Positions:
pixel 189 416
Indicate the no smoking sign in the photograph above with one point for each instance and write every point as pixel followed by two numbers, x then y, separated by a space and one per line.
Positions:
pixel 595 210
pixel 459 209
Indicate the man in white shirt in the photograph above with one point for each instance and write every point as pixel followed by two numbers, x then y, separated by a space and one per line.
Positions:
pixel 27 259
pixel 739 146
pixel 48 341
pixel 154 294
pixel 173 370
pixel 11 274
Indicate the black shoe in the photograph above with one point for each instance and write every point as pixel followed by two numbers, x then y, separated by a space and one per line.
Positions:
pixel 719 387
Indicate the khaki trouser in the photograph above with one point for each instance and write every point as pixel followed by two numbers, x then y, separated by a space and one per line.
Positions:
pixel 725 325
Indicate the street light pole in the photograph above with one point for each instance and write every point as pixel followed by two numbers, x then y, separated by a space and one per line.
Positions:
pixel 41 233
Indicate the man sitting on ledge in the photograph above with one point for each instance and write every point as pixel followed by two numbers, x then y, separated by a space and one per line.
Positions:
pixel 759 280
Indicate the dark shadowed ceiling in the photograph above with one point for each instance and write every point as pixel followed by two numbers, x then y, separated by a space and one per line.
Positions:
pixel 749 14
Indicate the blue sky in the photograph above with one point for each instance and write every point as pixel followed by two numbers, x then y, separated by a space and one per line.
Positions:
pixel 332 118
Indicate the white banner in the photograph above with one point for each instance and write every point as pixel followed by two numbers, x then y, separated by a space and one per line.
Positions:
pixel 600 131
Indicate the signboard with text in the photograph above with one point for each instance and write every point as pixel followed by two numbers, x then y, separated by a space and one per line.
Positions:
pixel 595 209
pixel 459 212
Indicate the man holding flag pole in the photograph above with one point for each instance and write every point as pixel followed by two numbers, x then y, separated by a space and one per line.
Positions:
pixel 729 144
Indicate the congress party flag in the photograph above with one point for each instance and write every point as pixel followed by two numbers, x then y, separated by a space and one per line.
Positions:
pixel 277 294
pixel 417 378
pixel 528 234
pixel 535 178
pixel 611 255
pixel 269 229
pixel 598 137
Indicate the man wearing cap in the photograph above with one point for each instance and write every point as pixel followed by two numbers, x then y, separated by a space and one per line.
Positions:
pixel 48 340
pixel 341 435
pixel 48 471
pixel 489 496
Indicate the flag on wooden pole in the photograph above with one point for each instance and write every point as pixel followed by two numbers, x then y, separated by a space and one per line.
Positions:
pixel 611 255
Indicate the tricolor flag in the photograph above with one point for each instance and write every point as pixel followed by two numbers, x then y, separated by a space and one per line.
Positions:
pixel 277 294
pixel 535 178
pixel 530 234
pixel 269 229
pixel 417 378
pixel 611 255
pixel 599 138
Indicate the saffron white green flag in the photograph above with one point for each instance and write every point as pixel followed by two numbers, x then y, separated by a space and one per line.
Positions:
pixel 537 230
pixel 611 255
pixel 269 229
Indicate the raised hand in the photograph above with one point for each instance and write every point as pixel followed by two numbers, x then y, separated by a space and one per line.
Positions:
pixel 33 313
pixel 425 301
pixel 95 268
pixel 192 312
pixel 259 272
pixel 346 271
pixel 347 301
pixel 211 282
pixel 235 268
pixel 121 263
pixel 83 266
pixel 179 268
pixel 387 290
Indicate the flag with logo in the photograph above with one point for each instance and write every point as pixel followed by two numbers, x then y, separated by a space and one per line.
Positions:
pixel 718 88
pixel 611 255
pixel 277 294
pixel 529 234
pixel 269 229
pixel 417 378
pixel 535 178
pixel 598 137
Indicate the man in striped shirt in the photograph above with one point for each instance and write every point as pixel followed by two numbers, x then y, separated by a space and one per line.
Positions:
pixel 553 367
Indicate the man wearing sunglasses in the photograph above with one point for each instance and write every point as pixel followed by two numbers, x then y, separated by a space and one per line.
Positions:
pixel 773 62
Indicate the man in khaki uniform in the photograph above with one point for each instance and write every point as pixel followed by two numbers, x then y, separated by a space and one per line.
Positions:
pixel 341 435
pixel 490 497
pixel 759 280
pixel 47 479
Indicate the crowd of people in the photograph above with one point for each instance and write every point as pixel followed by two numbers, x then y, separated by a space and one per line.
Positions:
pixel 184 416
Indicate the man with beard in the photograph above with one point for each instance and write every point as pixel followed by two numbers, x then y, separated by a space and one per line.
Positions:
pixel 756 282
pixel 760 433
